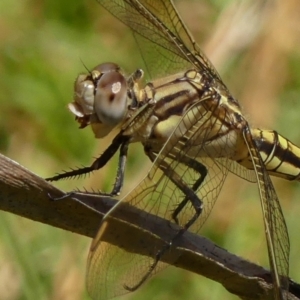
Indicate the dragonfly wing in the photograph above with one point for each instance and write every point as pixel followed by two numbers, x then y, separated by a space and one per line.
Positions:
pixel 166 44
pixel 110 269
pixel 239 170
pixel 274 222
pixel 158 195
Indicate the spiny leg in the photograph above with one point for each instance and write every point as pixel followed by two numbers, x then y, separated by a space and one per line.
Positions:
pixel 121 170
pixel 118 142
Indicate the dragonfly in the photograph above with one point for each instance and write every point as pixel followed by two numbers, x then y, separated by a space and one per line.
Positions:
pixel 194 133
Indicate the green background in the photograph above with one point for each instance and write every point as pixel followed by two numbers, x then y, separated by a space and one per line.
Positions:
pixel 45 44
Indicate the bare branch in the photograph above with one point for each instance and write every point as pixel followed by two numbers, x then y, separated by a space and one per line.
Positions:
pixel 26 194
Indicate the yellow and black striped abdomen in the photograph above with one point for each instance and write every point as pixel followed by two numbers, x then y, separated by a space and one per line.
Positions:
pixel 280 156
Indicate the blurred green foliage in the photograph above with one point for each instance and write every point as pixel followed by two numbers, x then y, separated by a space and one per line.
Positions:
pixel 44 45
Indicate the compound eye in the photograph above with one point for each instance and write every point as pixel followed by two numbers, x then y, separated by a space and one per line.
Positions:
pixel 110 100
pixel 107 67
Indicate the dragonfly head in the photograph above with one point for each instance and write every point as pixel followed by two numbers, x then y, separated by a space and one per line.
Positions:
pixel 100 99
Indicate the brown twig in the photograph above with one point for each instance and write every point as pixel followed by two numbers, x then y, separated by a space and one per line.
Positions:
pixel 26 194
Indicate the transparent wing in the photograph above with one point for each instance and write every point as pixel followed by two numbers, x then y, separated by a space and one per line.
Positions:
pixel 240 171
pixel 158 195
pixel 168 47
pixel 275 226
pixel 109 268
pixel 165 42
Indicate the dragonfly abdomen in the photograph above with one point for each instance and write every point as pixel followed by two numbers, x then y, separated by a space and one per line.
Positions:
pixel 280 156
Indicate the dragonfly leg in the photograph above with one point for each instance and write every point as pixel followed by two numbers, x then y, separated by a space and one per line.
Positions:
pixel 190 196
pixel 119 142
pixel 201 169
pixel 121 169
